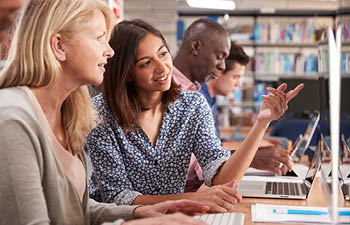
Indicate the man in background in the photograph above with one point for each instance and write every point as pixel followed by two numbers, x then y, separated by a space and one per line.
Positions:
pixel 226 83
pixel 201 57
pixel 202 54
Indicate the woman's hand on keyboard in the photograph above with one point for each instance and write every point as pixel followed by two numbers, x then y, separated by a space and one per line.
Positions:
pixel 187 207
pixel 220 198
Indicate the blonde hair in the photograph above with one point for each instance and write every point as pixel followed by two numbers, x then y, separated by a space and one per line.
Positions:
pixel 31 61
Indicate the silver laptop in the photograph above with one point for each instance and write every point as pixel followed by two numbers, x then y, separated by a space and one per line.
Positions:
pixel 281 187
pixel 343 180
pixel 233 218
pixel 325 149
pixel 307 137
pixel 344 184
pixel 345 187
pixel 346 150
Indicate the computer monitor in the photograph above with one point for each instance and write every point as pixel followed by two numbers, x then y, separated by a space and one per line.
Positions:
pixel 334 47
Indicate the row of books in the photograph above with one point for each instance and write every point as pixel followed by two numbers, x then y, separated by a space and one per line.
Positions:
pixel 304 32
pixel 285 63
pixel 345 30
pixel 344 61
pixel 323 60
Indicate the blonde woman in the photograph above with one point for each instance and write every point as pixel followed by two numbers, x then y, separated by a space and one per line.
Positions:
pixel 59 47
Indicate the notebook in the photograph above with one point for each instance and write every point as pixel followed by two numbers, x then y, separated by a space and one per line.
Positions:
pixel 281 187
pixel 232 218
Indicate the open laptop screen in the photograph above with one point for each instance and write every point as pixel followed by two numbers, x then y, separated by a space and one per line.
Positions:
pixel 309 132
pixel 315 164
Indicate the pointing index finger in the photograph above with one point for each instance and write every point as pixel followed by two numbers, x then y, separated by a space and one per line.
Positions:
pixel 282 87
pixel 292 93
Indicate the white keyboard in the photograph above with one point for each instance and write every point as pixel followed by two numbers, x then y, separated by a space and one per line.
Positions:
pixel 233 218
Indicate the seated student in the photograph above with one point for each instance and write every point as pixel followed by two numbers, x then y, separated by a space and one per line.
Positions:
pixel 201 57
pixel 266 158
pixel 148 129
pixel 45 114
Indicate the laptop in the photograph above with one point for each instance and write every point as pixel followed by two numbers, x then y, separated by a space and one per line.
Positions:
pixel 233 218
pixel 296 146
pixel 281 187
pixel 306 140
pixel 346 150
pixel 300 146
pixel 344 183
pixel 325 149
pixel 343 180
pixel 345 187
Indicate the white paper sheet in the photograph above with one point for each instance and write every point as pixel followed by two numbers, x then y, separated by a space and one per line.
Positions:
pixel 264 213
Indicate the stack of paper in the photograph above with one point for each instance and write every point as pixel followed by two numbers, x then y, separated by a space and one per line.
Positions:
pixel 298 214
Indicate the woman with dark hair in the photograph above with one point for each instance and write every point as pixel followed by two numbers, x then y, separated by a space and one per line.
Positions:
pixel 122 95
pixel 148 129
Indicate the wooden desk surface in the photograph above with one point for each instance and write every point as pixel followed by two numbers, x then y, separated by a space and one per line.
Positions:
pixel 315 198
pixel 226 132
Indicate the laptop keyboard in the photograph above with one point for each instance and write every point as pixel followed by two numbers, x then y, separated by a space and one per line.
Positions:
pixel 222 218
pixel 284 188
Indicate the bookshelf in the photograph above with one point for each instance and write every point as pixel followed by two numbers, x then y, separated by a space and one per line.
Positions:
pixel 343 20
pixel 283 45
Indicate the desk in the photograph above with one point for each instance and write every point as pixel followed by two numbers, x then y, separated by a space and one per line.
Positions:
pixel 227 132
pixel 315 198
pixel 232 145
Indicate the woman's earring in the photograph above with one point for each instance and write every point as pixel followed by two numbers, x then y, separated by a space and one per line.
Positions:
pixel 61 58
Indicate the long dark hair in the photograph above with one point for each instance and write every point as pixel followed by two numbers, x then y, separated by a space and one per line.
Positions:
pixel 119 91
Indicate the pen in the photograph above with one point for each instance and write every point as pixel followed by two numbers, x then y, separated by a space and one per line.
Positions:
pixel 299 211
pixel 307 212
pixel 344 213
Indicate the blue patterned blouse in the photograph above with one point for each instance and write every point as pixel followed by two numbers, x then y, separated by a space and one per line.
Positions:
pixel 126 165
